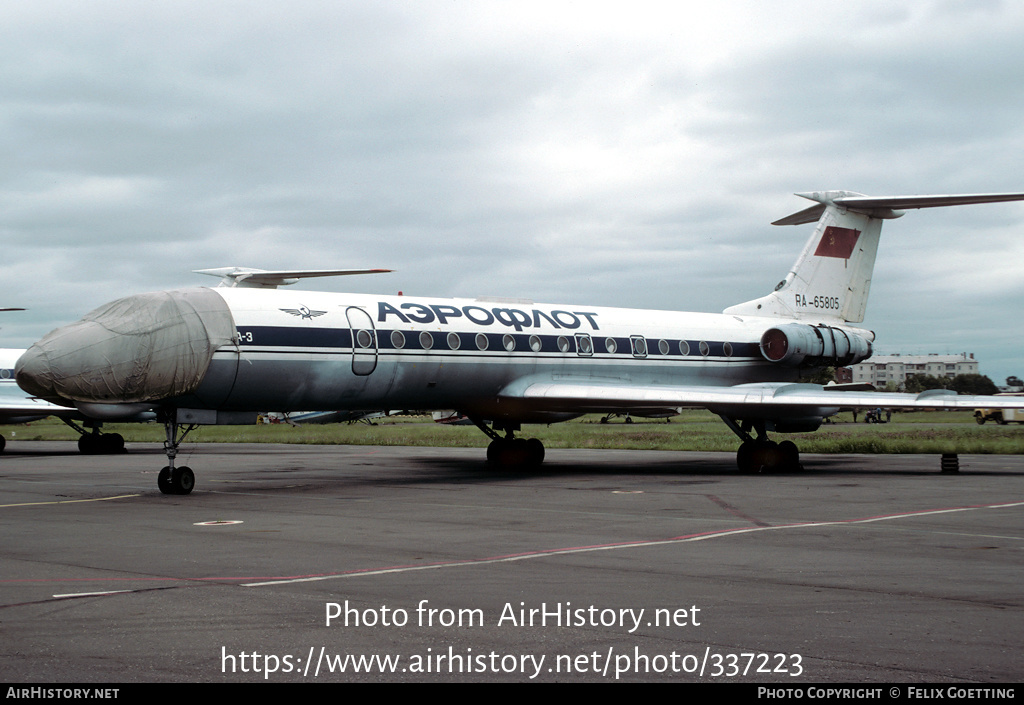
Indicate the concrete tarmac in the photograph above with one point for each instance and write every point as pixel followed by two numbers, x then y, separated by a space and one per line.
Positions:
pixel 429 565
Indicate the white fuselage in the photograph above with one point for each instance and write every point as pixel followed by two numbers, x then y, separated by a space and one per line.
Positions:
pixel 301 350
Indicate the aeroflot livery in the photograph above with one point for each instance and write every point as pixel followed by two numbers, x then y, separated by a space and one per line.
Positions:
pixel 204 356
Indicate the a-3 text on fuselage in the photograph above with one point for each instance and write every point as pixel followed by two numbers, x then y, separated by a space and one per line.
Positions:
pixel 205 356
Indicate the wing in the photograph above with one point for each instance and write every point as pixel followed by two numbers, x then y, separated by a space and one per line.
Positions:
pixel 742 401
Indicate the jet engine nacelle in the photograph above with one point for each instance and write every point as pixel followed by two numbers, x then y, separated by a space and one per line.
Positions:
pixel 799 344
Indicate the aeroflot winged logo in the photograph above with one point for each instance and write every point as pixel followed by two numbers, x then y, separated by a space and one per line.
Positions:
pixel 303 312
pixel 837 242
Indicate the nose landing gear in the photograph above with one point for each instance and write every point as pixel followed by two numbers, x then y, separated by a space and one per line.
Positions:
pixel 172 480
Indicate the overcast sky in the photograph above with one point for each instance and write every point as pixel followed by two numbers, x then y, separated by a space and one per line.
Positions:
pixel 624 154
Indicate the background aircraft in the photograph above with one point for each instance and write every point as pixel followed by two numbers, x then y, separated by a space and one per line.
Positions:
pixel 17 407
pixel 210 356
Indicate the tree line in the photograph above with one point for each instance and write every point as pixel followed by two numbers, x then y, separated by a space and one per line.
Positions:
pixel 961 384
pixel 915 384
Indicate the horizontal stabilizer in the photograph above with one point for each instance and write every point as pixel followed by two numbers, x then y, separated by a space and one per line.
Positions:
pixel 886 206
pixel 909 202
pixel 271 279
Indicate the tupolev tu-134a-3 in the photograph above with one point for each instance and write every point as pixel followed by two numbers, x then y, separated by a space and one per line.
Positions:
pixel 219 355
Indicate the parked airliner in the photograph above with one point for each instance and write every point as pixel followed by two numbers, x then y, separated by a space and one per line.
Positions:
pixel 17 407
pixel 212 356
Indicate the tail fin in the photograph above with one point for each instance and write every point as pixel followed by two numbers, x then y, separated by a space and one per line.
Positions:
pixel 832 276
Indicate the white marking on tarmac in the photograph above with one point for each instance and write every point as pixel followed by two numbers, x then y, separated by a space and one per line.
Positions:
pixel 69 501
pixel 704 536
pixel 93 594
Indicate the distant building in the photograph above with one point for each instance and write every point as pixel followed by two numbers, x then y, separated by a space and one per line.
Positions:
pixel 879 370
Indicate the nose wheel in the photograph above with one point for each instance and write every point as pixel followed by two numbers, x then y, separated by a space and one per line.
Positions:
pixel 176 480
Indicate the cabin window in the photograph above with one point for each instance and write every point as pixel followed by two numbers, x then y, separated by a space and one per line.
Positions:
pixel 584 344
pixel 426 340
pixel 454 341
pixel 509 342
pixel 481 341
pixel 705 349
pixel 610 345
pixel 535 343
pixel 684 347
pixel 663 347
pixel 364 338
pixel 397 339
pixel 728 349
pixel 563 344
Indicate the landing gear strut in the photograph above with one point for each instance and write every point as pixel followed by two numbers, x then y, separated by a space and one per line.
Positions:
pixel 761 454
pixel 511 451
pixel 172 480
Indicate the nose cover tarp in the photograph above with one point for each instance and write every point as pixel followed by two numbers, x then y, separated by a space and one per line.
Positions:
pixel 140 348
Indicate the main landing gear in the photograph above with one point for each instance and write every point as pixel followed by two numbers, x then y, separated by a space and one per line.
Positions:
pixel 97 443
pixel 761 454
pixel 511 451
pixel 93 442
pixel 172 480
